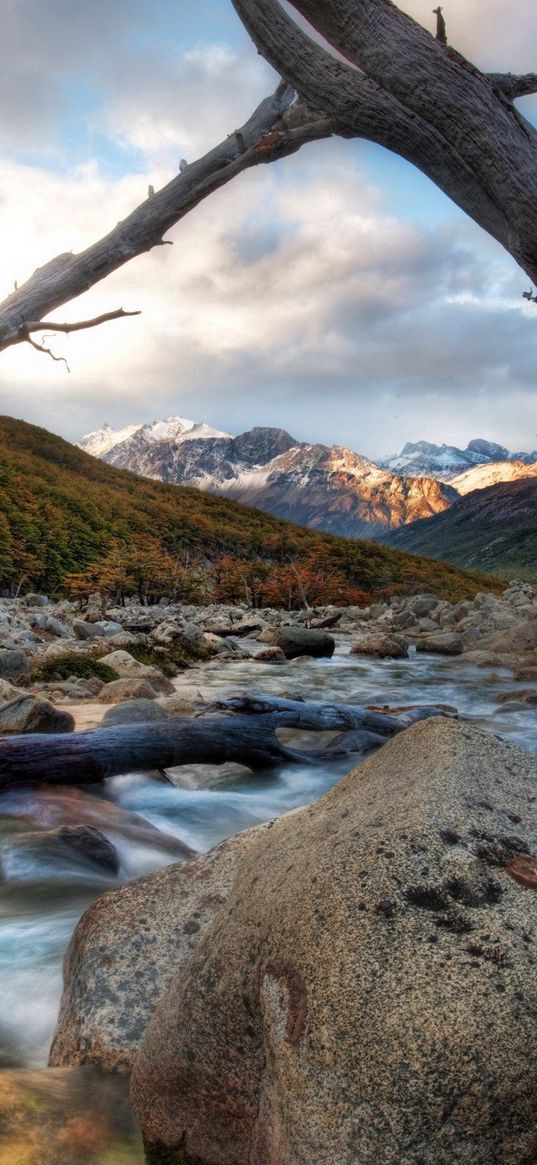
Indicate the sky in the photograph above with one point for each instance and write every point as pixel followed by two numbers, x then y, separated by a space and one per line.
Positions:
pixel 337 294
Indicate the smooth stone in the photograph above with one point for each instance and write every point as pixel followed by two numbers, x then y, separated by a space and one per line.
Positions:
pixel 367 992
pixel 127 948
pixel 134 711
pixel 31 714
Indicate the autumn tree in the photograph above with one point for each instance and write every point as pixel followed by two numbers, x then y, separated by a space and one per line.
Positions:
pixel 380 76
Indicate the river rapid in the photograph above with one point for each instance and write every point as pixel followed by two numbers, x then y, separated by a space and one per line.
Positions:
pixel 41 900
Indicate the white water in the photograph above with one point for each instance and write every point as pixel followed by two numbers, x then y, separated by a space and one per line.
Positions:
pixel 40 901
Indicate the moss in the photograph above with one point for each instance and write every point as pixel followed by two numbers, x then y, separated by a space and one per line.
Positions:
pixel 170 660
pixel 71 663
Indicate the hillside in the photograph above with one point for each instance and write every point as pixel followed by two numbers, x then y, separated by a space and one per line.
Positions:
pixel 329 488
pixel 490 529
pixel 62 512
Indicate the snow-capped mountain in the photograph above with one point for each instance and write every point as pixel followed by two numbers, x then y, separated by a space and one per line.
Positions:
pixel 332 489
pixel 446 462
pixel 482 476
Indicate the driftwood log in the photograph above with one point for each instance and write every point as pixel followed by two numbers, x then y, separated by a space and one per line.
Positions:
pixel 243 729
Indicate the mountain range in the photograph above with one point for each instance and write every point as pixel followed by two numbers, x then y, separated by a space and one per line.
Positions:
pixel 329 488
pixel 69 522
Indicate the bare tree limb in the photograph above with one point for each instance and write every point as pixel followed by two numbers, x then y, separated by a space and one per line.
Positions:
pixel 81 325
pixel 278 127
pixel 512 86
pixel 47 351
pixel 418 98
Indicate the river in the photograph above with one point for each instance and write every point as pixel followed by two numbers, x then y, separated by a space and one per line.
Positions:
pixel 41 900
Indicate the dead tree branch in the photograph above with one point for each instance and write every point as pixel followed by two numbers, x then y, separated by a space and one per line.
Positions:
pixel 278 127
pixel 406 91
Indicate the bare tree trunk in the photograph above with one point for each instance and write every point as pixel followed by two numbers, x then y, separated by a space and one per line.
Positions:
pixel 407 91
pixel 398 86
pixel 247 735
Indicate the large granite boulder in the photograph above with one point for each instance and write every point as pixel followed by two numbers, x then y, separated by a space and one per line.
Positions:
pixel 127 948
pixel 368 992
pixel 382 646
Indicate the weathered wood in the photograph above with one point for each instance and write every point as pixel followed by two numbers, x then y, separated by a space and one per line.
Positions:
pixel 278 127
pixel 402 88
pixel 248 736
pixel 410 93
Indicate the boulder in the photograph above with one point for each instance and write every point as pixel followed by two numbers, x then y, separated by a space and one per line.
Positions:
pixel 118 690
pixel 270 655
pixel 177 705
pixel 32 714
pixel 14 666
pixel 520 696
pixel 133 711
pixel 67 843
pixel 9 691
pixel 126 950
pixel 296 641
pixel 382 646
pixel 443 643
pixel 520 638
pixel 482 658
pixel 129 668
pixel 526 673
pixel 367 993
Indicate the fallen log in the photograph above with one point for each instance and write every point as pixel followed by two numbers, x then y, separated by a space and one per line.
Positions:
pixel 246 735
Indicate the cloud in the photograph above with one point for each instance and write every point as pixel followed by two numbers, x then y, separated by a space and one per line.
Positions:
pixel 301 295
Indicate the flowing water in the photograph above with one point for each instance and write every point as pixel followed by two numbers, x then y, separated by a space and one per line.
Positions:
pixel 42 898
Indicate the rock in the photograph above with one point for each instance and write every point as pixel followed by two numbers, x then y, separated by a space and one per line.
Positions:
pixel 482 658
pixel 520 638
pixel 126 950
pixel 51 625
pixel 133 711
pixel 9 691
pixel 32 600
pixel 522 696
pixel 383 646
pixel 421 605
pixel 270 655
pixel 177 705
pixel 32 714
pixel 68 842
pixel 443 643
pixel 14 666
pixel 297 641
pixel 118 690
pixel 128 668
pixel 367 993
pixel 85 630
pixel 526 674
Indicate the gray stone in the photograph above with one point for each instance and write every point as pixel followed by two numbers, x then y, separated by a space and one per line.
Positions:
pixel 443 643
pixel 118 690
pixel 14 666
pixel 297 641
pixel 367 992
pixel 32 714
pixel 133 711
pixel 67 843
pixel 126 950
pixel 382 646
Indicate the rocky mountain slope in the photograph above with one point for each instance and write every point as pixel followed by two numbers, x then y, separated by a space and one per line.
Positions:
pixel 483 476
pixel 489 529
pixel 446 462
pixel 65 512
pixel 328 488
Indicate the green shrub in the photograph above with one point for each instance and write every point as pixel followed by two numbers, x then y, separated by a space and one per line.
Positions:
pixel 71 663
